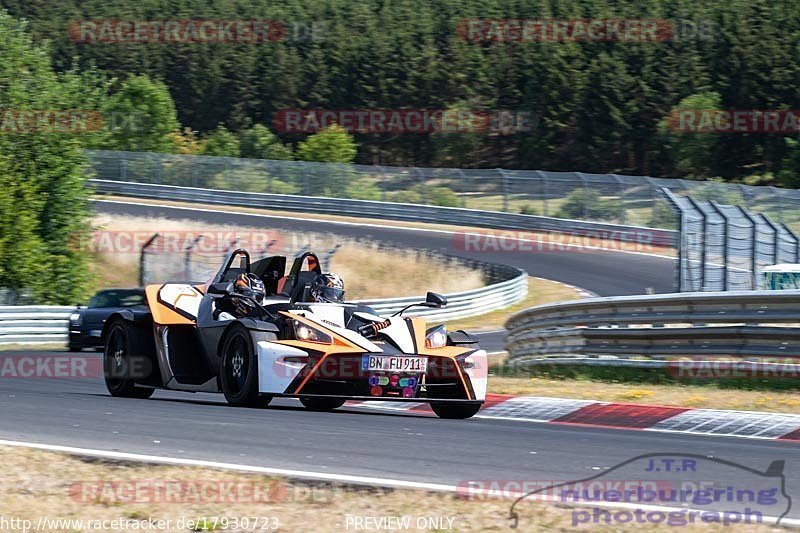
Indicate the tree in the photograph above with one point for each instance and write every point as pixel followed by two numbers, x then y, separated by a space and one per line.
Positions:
pixel 260 143
pixel 693 154
pixel 142 116
pixel 43 191
pixel 330 145
pixel 221 143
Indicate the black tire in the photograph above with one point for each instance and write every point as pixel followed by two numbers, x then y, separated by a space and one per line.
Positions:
pixel 455 411
pixel 122 343
pixel 321 404
pixel 238 370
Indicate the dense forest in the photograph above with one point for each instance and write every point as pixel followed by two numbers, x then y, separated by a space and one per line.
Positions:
pixel 595 106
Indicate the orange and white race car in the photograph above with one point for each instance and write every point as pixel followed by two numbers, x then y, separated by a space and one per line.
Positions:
pixel 321 353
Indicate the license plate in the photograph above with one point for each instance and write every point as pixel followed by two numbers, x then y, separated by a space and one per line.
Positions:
pixel 382 363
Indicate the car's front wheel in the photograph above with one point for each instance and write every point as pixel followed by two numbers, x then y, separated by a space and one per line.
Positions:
pixel 123 345
pixel 455 411
pixel 238 373
pixel 321 404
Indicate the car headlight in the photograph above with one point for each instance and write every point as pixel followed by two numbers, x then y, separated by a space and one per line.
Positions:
pixel 304 332
pixel 75 318
pixel 436 337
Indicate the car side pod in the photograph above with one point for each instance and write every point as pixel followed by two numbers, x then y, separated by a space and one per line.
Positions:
pixel 476 366
pixel 278 366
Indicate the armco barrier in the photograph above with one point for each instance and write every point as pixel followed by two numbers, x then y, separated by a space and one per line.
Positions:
pixel 735 324
pixel 46 324
pixel 34 324
pixel 391 211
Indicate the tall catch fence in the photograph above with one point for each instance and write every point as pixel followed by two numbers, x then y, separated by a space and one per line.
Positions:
pixel 613 198
pixel 725 247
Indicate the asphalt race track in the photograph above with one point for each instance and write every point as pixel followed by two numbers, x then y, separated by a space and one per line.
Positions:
pixel 79 412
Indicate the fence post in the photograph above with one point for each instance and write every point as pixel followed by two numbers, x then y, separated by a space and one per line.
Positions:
pixel 681 251
pixel 754 242
pixel 704 244
pixel 544 190
pixel 774 228
pixel 725 248
pixel 123 170
pixel 585 195
pixel 145 246
pixel 381 184
pixel 791 232
pixel 504 182
pixel 187 260
pixel 621 194
pixel 462 179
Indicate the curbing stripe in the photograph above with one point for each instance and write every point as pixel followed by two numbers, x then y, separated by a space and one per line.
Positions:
pixel 627 416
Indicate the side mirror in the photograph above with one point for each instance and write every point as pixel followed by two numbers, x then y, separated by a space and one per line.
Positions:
pixel 435 300
pixel 223 288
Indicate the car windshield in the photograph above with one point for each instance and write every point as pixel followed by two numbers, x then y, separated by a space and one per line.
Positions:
pixel 117 298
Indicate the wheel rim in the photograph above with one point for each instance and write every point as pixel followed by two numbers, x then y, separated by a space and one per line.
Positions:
pixel 115 358
pixel 238 364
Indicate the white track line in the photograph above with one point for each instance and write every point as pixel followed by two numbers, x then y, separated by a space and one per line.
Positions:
pixel 371 225
pixel 303 474
pixel 359 480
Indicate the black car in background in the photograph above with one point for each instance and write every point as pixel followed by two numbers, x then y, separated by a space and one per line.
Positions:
pixel 86 323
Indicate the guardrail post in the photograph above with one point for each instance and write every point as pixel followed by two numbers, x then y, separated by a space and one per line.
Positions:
pixel 145 246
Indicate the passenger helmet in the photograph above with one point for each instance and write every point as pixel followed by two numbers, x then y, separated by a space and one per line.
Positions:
pixel 327 288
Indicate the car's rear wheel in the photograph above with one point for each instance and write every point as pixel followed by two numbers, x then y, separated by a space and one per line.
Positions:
pixel 122 345
pixel 455 411
pixel 238 377
pixel 321 404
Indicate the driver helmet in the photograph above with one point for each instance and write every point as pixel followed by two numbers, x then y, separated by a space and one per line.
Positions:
pixel 327 288
pixel 248 284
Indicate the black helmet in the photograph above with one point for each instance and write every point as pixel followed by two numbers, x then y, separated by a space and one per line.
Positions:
pixel 327 288
pixel 250 285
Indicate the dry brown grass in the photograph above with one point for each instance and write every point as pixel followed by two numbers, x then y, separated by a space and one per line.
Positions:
pixel 695 396
pixel 38 483
pixel 540 291
pixel 369 272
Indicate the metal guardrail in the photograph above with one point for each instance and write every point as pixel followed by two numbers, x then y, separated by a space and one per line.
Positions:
pixel 49 324
pixel 392 211
pixel 34 324
pixel 735 324
pixel 464 304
